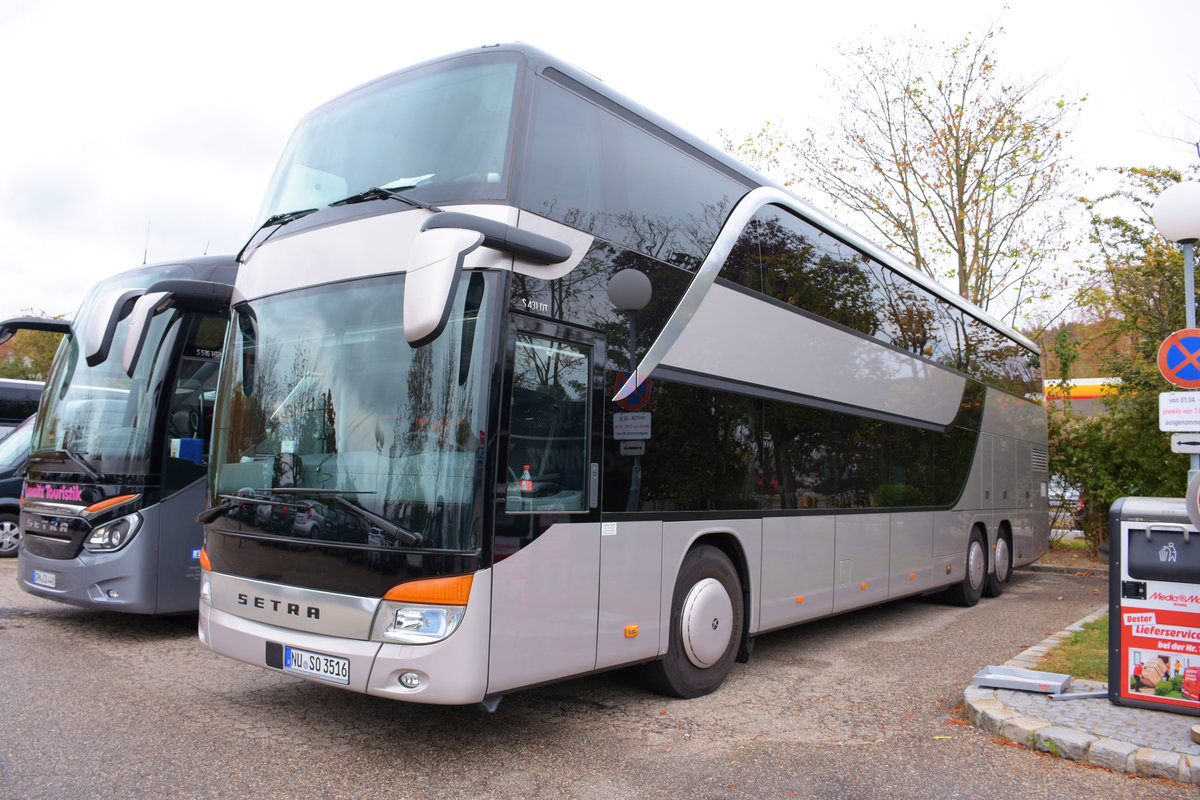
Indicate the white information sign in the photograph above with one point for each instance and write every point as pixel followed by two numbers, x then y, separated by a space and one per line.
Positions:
pixel 637 447
pixel 1185 442
pixel 1179 412
pixel 631 425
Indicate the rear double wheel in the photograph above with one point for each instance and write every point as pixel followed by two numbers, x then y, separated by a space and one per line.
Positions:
pixel 993 585
pixel 967 592
pixel 706 626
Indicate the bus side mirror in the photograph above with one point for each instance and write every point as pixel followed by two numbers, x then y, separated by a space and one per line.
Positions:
pixel 10 327
pixel 145 309
pixel 434 264
pixel 205 297
pixel 436 259
pixel 102 327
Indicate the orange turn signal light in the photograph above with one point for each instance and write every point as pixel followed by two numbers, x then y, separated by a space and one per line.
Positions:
pixel 109 503
pixel 434 591
pixel 204 561
pixel 631 631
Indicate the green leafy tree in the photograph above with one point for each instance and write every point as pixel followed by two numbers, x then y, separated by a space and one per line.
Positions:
pixel 27 356
pixel 1140 295
pixel 960 172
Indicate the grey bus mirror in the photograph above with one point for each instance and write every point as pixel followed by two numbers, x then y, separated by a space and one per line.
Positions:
pixel 145 309
pixel 10 327
pixel 102 327
pixel 434 264
pixel 437 256
pixel 205 297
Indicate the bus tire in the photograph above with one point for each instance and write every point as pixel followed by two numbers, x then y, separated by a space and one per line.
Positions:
pixel 706 626
pixel 10 534
pixel 966 593
pixel 993 586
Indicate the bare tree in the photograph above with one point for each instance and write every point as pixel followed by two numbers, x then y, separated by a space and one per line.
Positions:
pixel 958 171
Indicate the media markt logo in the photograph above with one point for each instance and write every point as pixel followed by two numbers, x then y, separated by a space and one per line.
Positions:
pixel 41 491
pixel 1178 599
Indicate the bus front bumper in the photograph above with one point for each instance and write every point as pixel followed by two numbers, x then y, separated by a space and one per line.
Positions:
pixel 125 580
pixel 450 672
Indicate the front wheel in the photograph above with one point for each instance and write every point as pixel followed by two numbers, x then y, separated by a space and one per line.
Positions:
pixel 10 535
pixel 968 591
pixel 706 626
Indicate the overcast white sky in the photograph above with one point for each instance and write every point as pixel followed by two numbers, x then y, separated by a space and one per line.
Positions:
pixel 121 115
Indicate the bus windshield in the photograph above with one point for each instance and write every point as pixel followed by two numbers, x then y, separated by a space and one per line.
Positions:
pixel 331 427
pixel 439 133
pixel 97 418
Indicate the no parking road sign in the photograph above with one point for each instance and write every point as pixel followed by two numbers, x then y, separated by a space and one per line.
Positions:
pixel 1179 358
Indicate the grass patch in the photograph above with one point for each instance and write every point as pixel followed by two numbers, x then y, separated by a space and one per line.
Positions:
pixel 1083 654
pixel 1062 543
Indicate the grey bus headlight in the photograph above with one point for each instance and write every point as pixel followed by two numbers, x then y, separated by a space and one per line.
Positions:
pixel 113 535
pixel 416 624
pixel 206 587
pixel 422 611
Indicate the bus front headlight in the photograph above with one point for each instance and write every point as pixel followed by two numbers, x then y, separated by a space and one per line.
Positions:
pixel 113 535
pixel 409 624
pixel 422 611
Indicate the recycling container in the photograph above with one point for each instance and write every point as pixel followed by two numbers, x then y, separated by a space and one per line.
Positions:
pixel 1154 599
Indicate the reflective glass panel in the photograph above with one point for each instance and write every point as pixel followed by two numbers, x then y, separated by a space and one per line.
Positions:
pixel 331 426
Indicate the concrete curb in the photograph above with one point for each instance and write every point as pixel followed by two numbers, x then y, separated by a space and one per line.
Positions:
pixel 988 713
pixel 1062 569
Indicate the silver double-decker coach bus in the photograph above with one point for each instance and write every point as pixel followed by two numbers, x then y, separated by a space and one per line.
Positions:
pixel 522 382
pixel 118 461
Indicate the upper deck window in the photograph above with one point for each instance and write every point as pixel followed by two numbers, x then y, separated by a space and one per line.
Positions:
pixel 788 258
pixel 595 171
pixel 442 132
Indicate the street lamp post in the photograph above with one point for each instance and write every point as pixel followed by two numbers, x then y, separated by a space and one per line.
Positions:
pixel 1177 217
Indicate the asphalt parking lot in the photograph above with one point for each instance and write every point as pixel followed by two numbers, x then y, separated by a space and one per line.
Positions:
pixel 863 705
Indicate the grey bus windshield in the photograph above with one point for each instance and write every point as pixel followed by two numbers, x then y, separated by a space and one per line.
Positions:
pixel 330 427
pixel 99 415
pixel 442 131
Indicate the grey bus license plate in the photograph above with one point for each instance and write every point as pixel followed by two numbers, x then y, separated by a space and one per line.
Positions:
pixel 316 665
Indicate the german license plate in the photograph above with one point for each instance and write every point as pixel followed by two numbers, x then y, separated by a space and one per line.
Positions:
pixel 43 578
pixel 316 665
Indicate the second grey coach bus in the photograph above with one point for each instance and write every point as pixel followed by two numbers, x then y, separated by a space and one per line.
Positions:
pixel 117 466
pixel 522 382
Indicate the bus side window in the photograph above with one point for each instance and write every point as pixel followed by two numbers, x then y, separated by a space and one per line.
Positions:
pixel 548 428
pixel 189 417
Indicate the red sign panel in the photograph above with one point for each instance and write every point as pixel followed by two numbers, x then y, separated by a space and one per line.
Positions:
pixel 1179 358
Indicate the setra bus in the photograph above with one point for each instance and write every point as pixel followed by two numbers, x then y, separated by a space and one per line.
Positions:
pixel 118 463
pixel 522 382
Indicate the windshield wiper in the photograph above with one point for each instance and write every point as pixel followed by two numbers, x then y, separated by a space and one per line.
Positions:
pixel 386 525
pixel 286 217
pixel 79 460
pixel 384 192
pixel 277 221
pixel 209 514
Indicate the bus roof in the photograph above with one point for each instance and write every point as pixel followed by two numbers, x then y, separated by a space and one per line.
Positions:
pixel 541 63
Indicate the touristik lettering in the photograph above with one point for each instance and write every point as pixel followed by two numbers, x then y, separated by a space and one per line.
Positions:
pixel 44 492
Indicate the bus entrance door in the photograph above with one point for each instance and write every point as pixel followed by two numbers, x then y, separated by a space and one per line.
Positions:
pixel 546 547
